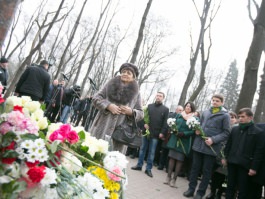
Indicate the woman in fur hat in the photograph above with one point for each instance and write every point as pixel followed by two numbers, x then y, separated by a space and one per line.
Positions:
pixel 118 99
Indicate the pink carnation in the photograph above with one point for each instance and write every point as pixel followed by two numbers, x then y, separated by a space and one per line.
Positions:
pixel 15 117
pixel 28 125
pixel 65 128
pixel 56 135
pixel 114 177
pixel 72 137
pixel 5 127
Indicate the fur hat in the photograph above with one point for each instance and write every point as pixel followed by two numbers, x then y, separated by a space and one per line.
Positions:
pixel 3 60
pixel 130 67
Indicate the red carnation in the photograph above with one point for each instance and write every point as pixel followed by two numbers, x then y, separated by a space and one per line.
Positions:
pixel 2 100
pixel 18 108
pixel 72 137
pixel 36 174
pixel 30 164
pixel 8 160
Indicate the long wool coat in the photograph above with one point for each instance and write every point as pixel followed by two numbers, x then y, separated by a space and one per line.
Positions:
pixel 115 92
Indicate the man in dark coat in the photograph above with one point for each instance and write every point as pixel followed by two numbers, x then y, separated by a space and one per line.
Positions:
pixel 215 123
pixel 3 73
pixel 157 125
pixel 244 152
pixel 83 110
pixel 34 82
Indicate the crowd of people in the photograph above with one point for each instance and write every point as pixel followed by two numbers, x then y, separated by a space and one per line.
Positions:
pixel 224 148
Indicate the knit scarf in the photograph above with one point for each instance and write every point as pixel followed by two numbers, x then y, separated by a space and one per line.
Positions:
pixel 216 109
pixel 244 126
pixel 186 116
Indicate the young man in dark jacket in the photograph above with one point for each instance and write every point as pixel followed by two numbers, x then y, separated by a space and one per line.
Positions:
pixel 158 115
pixel 215 123
pixel 244 152
pixel 34 82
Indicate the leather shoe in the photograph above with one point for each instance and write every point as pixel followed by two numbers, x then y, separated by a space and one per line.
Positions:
pixel 188 193
pixel 149 173
pixel 136 168
pixel 160 168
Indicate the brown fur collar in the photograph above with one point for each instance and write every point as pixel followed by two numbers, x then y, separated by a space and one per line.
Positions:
pixel 120 93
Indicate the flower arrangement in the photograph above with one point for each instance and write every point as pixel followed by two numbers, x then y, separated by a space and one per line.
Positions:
pixel 42 160
pixel 195 125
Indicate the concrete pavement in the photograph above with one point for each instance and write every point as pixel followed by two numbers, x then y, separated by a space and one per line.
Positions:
pixel 141 186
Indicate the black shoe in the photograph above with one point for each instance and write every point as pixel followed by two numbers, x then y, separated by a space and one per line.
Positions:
pixel 136 168
pixel 188 193
pixel 198 196
pixel 132 156
pixel 160 168
pixel 210 195
pixel 149 173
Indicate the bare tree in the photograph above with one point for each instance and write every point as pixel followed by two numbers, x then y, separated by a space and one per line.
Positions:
pixel 249 84
pixel 194 53
pixel 72 35
pixel 140 33
pixel 35 49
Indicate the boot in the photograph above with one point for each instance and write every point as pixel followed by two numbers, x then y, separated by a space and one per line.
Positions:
pixel 168 179
pixel 173 183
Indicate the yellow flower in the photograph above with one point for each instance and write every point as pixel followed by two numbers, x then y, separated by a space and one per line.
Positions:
pixel 114 195
pixel 32 106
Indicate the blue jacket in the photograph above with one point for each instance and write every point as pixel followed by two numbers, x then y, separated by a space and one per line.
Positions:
pixel 217 127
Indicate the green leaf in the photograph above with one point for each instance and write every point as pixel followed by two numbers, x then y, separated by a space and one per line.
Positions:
pixel 42 135
pixel 82 135
pixel 8 138
pixel 10 154
pixel 84 148
pixel 29 136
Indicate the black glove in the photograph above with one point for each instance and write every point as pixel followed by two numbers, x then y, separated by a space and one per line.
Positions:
pixel 180 135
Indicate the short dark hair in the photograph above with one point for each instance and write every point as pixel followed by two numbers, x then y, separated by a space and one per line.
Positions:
pixel 162 93
pixel 248 112
pixel 44 62
pixel 219 96
pixel 232 114
pixel 192 106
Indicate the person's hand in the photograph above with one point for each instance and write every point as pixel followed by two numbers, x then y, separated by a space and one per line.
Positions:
pixel 224 162
pixel 208 141
pixel 126 110
pixel 180 134
pixel 197 132
pixel 146 126
pixel 114 109
pixel 252 172
pixel 161 136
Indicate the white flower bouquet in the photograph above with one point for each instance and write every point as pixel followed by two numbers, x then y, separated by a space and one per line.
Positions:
pixel 41 160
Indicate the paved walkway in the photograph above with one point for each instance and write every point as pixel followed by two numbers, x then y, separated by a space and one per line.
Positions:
pixel 141 186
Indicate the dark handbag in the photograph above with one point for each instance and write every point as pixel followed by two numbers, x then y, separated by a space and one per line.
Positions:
pixel 128 134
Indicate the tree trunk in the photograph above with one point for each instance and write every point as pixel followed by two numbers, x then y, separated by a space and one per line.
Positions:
pixel 202 81
pixel 193 58
pixel 8 9
pixel 140 33
pixel 260 105
pixel 249 84
pixel 32 52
